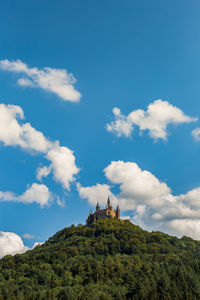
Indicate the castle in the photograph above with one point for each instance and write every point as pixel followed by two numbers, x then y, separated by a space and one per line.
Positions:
pixel 107 212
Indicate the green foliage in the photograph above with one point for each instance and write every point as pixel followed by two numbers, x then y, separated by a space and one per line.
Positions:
pixel 111 259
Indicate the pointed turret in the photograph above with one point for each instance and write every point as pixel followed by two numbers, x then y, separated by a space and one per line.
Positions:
pixel 117 212
pixel 108 202
pixel 97 207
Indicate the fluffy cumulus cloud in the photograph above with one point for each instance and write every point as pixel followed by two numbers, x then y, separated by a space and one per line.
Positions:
pixel 63 165
pixel 149 201
pixel 11 243
pixel 57 81
pixel 15 133
pixel 12 133
pixel 132 181
pixel 96 193
pixel 121 126
pixel 38 193
pixel 155 119
pixel 188 227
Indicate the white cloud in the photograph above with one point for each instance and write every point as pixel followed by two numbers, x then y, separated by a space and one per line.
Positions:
pixel 37 244
pixel 121 126
pixel 96 193
pixel 148 199
pixel 136 186
pixel 63 165
pixel 28 236
pixel 42 172
pixel 60 202
pixel 11 243
pixel 34 140
pixel 25 82
pixel 196 134
pixel 13 133
pixel 155 119
pixel 191 198
pixel 38 193
pixel 126 218
pixel 57 81
pixel 188 227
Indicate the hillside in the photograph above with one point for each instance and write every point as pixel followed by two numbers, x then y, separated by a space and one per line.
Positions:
pixel 111 259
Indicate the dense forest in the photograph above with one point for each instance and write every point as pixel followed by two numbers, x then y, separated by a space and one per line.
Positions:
pixel 111 259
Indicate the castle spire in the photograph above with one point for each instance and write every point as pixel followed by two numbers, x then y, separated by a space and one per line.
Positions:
pixel 108 202
pixel 97 207
pixel 117 211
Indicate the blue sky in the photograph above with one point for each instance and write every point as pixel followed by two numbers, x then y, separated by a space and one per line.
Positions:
pixel 124 54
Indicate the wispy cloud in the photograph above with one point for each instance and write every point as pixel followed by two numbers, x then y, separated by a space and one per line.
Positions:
pixel 28 236
pixel 57 81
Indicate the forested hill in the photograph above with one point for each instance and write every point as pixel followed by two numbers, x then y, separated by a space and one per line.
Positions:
pixel 111 259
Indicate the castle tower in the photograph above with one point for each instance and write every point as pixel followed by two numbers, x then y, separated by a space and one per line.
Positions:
pixel 117 212
pixel 98 207
pixel 108 202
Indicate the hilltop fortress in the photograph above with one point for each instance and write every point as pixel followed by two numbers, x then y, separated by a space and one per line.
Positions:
pixel 107 212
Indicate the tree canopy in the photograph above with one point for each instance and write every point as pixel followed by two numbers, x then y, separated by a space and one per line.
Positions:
pixel 111 259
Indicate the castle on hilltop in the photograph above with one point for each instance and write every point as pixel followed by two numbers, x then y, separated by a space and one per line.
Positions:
pixel 107 212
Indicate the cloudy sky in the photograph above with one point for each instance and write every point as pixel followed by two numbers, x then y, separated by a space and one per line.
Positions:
pixel 98 98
